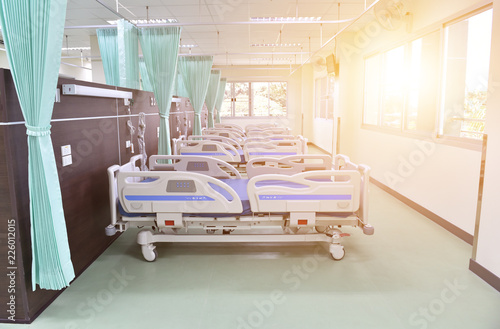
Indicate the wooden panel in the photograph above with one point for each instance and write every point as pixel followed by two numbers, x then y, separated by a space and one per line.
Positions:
pixel 96 129
pixel 11 280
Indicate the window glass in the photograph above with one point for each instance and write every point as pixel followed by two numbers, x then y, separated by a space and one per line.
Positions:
pixel 372 90
pixel 393 87
pixel 277 98
pixel 423 83
pixel 244 99
pixel 465 72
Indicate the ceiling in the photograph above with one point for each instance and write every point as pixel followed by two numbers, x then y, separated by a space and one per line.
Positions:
pixel 205 23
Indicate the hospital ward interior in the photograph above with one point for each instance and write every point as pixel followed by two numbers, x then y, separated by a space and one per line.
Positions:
pixel 242 164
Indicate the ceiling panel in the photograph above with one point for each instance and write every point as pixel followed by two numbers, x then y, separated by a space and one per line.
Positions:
pixel 211 16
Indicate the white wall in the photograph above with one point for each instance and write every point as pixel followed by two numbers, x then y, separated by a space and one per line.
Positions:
pixel 72 70
pixel 442 178
pixel 488 247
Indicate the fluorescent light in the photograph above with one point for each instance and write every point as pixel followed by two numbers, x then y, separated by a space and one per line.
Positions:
pixel 71 89
pixel 145 21
pixel 264 59
pixel 76 48
pixel 188 46
pixel 275 45
pixel 284 19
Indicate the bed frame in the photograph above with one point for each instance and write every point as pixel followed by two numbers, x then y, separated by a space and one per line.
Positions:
pixel 310 206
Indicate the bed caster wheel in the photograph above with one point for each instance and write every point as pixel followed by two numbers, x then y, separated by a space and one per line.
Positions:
pixel 321 229
pixel 368 229
pixel 110 230
pixel 149 252
pixel 337 251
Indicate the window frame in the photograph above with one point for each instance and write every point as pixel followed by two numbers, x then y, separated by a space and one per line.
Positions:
pixel 251 100
pixel 329 97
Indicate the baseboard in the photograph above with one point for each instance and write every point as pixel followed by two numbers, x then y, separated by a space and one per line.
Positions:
pixel 427 213
pixel 484 274
pixel 319 148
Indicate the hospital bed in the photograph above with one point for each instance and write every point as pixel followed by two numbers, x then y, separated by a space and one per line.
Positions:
pixel 259 126
pixel 229 151
pixel 273 148
pixel 186 206
pixel 225 132
pixel 289 165
pixel 211 148
pixel 229 125
pixel 270 138
pixel 268 132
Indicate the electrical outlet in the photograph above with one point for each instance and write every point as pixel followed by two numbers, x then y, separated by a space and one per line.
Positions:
pixel 67 160
pixel 157 132
pixel 65 150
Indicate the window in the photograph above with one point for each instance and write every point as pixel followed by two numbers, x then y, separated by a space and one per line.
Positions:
pixel 465 71
pixel 324 95
pixel 409 87
pixel 257 99
pixel 401 86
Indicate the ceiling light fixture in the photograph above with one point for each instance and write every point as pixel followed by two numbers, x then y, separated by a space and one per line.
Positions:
pixel 188 46
pixel 275 45
pixel 76 48
pixel 146 21
pixel 284 19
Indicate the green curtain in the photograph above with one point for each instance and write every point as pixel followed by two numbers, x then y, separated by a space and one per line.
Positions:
pixel 108 46
pixel 211 98
pixel 33 32
pixel 160 47
pixel 180 88
pixel 128 55
pixel 195 71
pixel 146 82
pixel 220 97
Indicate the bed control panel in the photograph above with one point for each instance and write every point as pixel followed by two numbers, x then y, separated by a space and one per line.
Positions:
pixel 181 186
pixel 197 166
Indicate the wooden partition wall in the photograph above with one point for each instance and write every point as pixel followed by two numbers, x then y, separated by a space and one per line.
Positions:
pixel 97 131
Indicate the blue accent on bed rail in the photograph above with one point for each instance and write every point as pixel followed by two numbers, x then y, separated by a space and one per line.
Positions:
pixel 272 153
pixel 306 197
pixel 168 198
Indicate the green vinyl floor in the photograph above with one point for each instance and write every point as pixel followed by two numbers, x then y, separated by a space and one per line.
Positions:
pixel 410 274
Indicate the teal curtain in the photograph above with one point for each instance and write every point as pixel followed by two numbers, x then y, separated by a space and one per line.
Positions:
pixel 180 88
pixel 146 83
pixel 128 55
pixel 195 72
pixel 108 46
pixel 211 98
pixel 160 47
pixel 220 97
pixel 33 32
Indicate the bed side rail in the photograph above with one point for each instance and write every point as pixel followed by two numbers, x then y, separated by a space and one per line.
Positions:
pixel 229 125
pixel 175 192
pixel 190 163
pixel 342 162
pixel 132 165
pixel 289 165
pixel 217 138
pixel 275 149
pixel 218 150
pixel 314 191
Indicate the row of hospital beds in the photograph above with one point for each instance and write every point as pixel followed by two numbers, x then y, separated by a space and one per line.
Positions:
pixel 232 144
pixel 197 198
